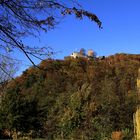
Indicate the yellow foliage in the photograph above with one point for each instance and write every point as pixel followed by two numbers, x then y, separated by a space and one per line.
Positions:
pixel 138 83
pixel 137 124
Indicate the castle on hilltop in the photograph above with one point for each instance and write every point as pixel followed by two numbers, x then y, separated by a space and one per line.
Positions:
pixel 82 54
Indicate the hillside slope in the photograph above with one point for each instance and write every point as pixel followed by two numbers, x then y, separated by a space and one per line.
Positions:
pixel 74 98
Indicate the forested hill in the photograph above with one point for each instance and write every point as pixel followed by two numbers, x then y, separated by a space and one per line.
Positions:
pixel 74 98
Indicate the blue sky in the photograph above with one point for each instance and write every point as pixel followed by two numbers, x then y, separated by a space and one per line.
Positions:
pixel 120 33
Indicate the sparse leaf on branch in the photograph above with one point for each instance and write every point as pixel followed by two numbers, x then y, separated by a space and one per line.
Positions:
pixel 21 18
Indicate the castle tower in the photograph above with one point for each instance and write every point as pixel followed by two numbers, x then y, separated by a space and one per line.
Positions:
pixel 82 52
pixel 90 53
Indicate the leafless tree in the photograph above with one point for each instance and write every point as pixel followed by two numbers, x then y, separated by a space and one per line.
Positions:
pixel 20 18
pixel 8 67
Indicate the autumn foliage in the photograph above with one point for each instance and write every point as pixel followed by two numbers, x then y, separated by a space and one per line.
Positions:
pixel 73 98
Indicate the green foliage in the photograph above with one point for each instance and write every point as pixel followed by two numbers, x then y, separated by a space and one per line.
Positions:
pixel 20 113
pixel 76 98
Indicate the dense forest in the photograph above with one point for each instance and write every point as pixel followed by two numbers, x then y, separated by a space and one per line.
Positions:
pixel 72 99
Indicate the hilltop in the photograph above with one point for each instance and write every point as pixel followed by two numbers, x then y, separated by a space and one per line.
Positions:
pixel 74 98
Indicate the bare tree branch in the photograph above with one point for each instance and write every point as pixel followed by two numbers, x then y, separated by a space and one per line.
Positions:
pixel 19 18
